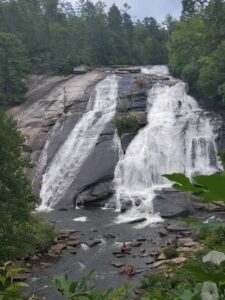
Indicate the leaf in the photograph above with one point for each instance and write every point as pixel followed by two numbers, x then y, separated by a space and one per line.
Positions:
pixel 200 275
pixel 187 295
pixel 214 187
pixel 183 183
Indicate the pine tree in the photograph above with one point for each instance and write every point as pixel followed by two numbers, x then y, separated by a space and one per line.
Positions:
pixel 14 68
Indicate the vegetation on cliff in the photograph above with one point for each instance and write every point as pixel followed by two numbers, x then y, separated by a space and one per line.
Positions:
pixel 197 49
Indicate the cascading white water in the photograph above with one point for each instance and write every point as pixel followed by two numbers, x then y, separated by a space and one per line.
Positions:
pixel 177 138
pixel 79 144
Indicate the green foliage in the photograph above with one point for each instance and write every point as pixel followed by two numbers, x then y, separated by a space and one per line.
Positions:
pixel 9 289
pixel 141 82
pixel 210 188
pixel 58 36
pixel 126 123
pixel 13 69
pixel 170 252
pixel 202 23
pixel 83 290
pixel 20 232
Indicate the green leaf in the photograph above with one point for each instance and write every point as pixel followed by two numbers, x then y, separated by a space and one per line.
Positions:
pixel 183 183
pixel 200 275
pixel 214 187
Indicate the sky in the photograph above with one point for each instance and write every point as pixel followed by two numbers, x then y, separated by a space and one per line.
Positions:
pixel 149 8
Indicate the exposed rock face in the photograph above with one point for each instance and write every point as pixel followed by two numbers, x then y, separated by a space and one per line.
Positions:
pixel 54 106
pixel 170 204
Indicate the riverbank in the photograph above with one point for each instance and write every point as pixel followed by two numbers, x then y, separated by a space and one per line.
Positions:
pixel 93 241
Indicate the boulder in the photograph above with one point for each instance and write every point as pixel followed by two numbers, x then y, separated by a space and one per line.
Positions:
pixel 178 226
pixel 117 263
pixel 81 70
pixel 130 70
pixel 92 243
pixel 171 204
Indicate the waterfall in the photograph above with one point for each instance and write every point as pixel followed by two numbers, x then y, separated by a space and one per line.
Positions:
pixel 177 138
pixel 79 144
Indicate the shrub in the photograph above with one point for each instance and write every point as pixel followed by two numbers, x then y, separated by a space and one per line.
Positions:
pixel 170 252
pixel 141 82
pixel 126 124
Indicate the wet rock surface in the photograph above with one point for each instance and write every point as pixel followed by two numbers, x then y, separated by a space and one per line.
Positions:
pixel 171 204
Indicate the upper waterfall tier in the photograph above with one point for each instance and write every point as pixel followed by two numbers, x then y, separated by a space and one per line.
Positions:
pixel 80 142
pixel 177 138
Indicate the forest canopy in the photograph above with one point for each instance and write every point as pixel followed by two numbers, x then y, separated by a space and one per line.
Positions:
pixel 197 49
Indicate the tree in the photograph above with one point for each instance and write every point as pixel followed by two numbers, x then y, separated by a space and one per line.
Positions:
pixel 115 19
pixel 190 7
pixel 16 198
pixel 14 68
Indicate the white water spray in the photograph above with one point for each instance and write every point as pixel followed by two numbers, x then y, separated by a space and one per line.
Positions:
pixel 79 144
pixel 177 138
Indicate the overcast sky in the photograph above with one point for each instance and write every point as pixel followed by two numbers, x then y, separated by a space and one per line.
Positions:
pixel 149 8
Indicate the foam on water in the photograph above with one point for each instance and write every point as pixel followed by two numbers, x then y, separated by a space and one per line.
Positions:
pixel 81 219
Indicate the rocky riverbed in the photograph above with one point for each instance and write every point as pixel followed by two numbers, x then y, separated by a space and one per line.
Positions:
pixel 90 239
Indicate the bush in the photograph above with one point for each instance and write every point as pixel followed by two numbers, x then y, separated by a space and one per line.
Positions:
pixel 170 252
pixel 141 82
pixel 126 124
pixel 20 232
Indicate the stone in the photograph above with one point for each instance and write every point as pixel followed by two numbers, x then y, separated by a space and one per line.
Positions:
pixel 186 249
pixel 135 244
pixel 163 232
pixel 178 226
pixel 28 265
pixel 59 247
pixel 122 72
pixel 73 243
pixel 73 252
pixel 179 260
pixel 53 254
pixel 66 232
pixel 92 243
pixel 126 139
pixel 161 257
pixel 139 220
pixel 144 254
pixel 81 70
pixel 158 264
pixel 171 204
pixel 117 263
pixel 150 261
pixel 129 270
pixel 44 265
pixel 63 209
pixel 141 239
pixel 120 255
pixel 130 70
pixel 183 241
pixel 22 276
pixel 109 236
pixel 34 258
pixel 192 244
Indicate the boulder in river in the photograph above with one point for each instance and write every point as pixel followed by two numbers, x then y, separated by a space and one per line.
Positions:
pixel 171 204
